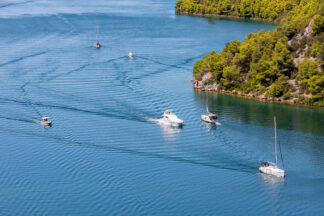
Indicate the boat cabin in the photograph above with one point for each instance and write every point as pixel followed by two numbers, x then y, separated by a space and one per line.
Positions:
pixel 212 116
pixel 168 112
pixel 46 122
pixel 265 164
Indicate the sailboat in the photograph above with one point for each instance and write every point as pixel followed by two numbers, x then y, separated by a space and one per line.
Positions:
pixel 208 116
pixel 97 44
pixel 272 168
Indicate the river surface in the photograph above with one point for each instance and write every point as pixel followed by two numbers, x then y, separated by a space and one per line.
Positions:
pixel 106 153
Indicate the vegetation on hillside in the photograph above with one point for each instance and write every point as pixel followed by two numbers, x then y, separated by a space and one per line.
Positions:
pixel 264 9
pixel 285 63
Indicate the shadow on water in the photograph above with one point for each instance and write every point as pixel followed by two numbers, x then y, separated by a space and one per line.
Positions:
pixel 303 119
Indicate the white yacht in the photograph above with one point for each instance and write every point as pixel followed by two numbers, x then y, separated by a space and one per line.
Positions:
pixel 272 168
pixel 171 118
pixel 45 122
pixel 130 55
pixel 209 117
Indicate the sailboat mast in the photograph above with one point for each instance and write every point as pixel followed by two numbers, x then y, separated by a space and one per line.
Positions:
pixel 207 111
pixel 275 124
pixel 97 33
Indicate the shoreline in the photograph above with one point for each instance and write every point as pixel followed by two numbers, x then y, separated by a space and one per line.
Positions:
pixel 275 22
pixel 254 97
pixel 294 101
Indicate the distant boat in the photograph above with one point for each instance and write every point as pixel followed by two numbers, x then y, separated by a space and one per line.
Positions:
pixel 171 118
pixel 45 122
pixel 97 44
pixel 130 55
pixel 272 168
pixel 209 117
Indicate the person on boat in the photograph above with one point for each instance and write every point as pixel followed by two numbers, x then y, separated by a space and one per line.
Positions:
pixel 264 164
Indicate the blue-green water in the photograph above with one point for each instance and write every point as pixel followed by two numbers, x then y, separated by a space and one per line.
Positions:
pixel 105 154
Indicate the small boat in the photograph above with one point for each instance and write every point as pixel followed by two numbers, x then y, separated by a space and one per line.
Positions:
pixel 45 122
pixel 209 117
pixel 272 168
pixel 97 44
pixel 130 55
pixel 171 118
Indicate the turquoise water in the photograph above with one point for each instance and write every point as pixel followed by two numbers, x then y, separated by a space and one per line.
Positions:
pixel 106 154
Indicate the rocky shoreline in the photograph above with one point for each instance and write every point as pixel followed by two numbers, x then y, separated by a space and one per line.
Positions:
pixel 262 98
pixel 229 17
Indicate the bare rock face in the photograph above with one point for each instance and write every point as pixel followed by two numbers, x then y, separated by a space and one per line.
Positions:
pixel 308 29
pixel 206 76
pixel 299 37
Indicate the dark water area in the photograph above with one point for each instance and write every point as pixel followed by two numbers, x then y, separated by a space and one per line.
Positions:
pixel 106 154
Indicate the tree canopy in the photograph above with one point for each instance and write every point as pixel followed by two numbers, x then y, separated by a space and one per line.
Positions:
pixel 286 62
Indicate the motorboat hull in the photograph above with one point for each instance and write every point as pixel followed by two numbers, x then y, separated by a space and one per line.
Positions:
pixel 272 170
pixel 46 123
pixel 172 123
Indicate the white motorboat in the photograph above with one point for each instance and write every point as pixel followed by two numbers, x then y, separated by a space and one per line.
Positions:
pixel 171 118
pixel 130 55
pixel 209 117
pixel 45 122
pixel 272 168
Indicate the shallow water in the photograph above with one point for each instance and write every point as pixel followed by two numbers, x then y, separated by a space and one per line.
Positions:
pixel 106 152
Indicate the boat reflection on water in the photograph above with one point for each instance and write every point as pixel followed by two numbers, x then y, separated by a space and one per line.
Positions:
pixel 272 179
pixel 170 131
pixel 209 126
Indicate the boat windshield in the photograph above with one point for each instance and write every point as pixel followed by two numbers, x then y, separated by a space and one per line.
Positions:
pixel 168 112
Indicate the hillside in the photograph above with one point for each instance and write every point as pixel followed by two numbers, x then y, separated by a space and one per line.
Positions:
pixel 285 64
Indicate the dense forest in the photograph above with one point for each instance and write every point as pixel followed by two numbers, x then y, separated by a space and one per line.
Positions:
pixel 285 64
